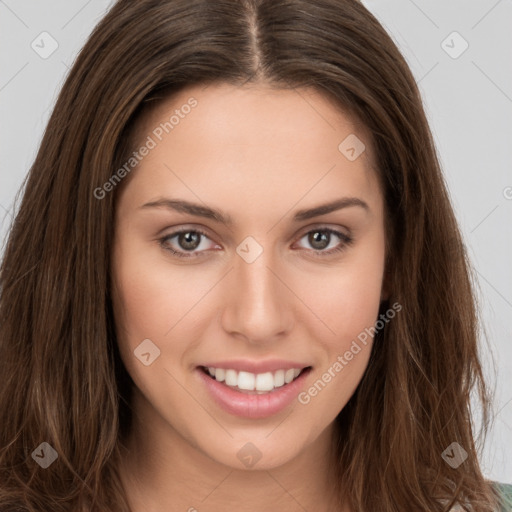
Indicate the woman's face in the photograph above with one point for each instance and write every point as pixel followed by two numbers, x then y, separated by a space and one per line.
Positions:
pixel 270 291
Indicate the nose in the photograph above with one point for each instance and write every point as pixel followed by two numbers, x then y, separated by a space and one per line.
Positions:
pixel 258 305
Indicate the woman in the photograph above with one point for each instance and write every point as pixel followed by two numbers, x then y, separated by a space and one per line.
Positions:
pixel 175 334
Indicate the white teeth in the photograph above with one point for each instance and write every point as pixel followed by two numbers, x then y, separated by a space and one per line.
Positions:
pixel 246 380
pixel 265 381
pixel 231 378
pixel 288 376
pixel 279 378
pixel 261 382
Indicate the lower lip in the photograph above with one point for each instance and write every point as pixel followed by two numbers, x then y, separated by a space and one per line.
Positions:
pixel 253 406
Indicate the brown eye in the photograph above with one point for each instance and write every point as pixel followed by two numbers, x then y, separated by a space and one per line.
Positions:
pixel 321 238
pixel 187 243
pixel 189 240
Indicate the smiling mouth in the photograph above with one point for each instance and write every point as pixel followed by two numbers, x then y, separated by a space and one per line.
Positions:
pixel 254 383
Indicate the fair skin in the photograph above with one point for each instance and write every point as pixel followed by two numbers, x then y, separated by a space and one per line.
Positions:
pixel 257 155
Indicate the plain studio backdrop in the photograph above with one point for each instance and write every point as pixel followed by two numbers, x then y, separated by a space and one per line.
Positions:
pixel 460 53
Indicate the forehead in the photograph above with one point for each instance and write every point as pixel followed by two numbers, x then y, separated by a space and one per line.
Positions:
pixel 252 143
pixel 253 115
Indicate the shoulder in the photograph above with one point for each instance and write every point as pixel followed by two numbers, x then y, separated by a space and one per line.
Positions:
pixel 505 497
pixel 505 492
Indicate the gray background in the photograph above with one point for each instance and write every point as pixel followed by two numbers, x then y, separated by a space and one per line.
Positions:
pixel 467 95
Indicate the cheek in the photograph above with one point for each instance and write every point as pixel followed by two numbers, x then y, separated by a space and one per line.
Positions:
pixel 348 303
pixel 139 303
pixel 148 300
pixel 151 295
pixel 347 299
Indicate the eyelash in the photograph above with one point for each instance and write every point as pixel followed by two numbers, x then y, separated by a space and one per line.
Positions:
pixel 346 241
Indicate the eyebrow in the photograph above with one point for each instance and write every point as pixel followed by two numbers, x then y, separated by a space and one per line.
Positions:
pixel 182 206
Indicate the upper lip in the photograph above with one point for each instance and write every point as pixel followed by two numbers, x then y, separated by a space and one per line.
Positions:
pixel 246 365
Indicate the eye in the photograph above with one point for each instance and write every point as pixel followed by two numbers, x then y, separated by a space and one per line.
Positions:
pixel 321 238
pixel 187 239
pixel 189 242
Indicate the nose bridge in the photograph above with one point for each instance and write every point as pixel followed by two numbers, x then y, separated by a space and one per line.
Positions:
pixel 257 283
pixel 258 303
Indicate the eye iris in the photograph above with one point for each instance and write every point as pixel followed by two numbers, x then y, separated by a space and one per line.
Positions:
pixel 323 239
pixel 189 240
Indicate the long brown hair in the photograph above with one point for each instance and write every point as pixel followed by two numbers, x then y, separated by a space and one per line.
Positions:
pixel 62 378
